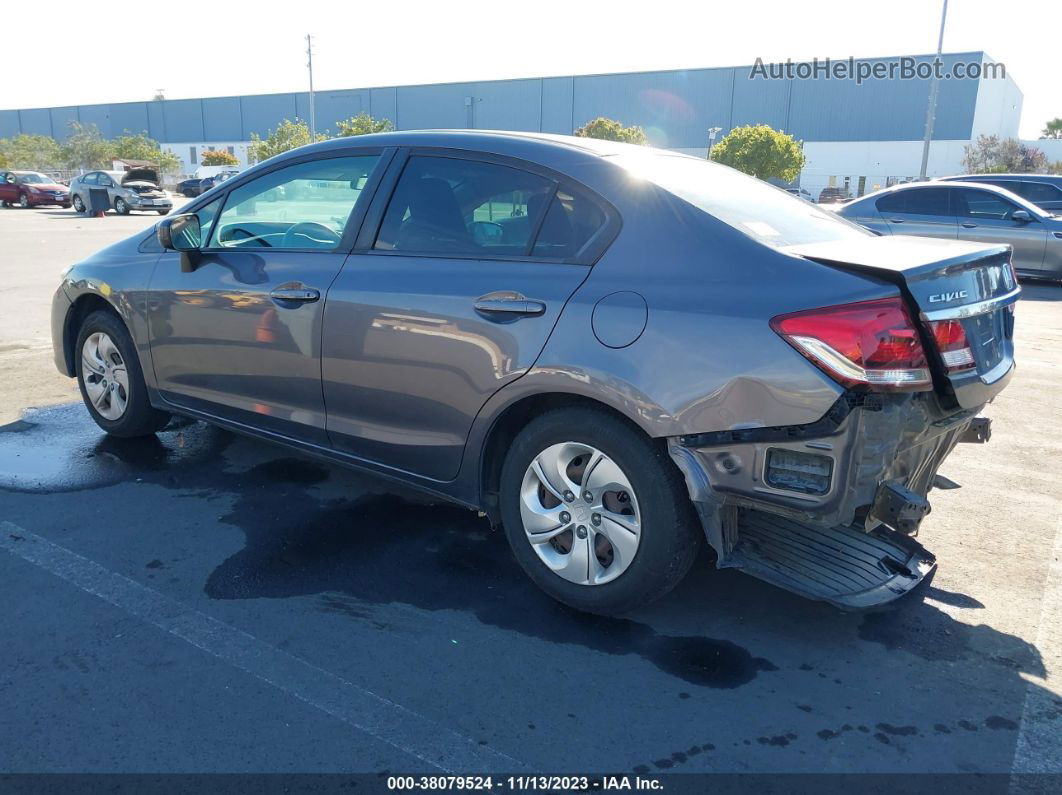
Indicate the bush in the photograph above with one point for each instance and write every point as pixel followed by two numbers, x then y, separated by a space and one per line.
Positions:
pixel 761 151
pixel 606 129
pixel 218 157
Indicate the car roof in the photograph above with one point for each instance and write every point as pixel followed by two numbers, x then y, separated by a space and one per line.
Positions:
pixel 986 177
pixel 1011 196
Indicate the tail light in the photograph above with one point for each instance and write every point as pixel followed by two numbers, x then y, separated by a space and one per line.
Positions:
pixel 954 348
pixel 869 343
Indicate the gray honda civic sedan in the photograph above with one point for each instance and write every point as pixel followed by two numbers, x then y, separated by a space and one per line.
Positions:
pixel 613 352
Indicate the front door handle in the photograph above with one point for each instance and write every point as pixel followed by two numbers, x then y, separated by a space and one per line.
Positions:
pixel 510 306
pixel 301 294
pixel 895 220
pixel 969 225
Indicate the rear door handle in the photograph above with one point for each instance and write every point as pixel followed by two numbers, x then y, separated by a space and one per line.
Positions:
pixel 969 225
pixel 301 294
pixel 895 220
pixel 510 306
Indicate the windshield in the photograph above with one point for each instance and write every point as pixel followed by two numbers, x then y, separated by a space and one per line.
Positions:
pixel 763 212
pixel 35 179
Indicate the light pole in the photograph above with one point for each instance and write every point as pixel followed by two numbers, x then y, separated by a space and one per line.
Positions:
pixel 309 65
pixel 712 132
pixel 934 87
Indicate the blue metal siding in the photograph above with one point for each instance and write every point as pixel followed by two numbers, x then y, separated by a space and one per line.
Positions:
pixel 35 122
pixel 129 117
pixel 264 112
pixel 61 119
pixel 221 119
pixel 557 94
pixel 676 108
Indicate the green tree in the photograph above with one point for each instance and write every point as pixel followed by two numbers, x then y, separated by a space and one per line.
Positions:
pixel 86 148
pixel 611 130
pixel 362 124
pixel 4 161
pixel 288 135
pixel 990 154
pixel 761 151
pixel 1053 129
pixel 140 147
pixel 32 152
pixel 218 157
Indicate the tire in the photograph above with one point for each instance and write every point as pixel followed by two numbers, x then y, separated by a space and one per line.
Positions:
pixel 163 212
pixel 668 532
pixel 79 205
pixel 137 417
pixel 120 206
pixel 23 201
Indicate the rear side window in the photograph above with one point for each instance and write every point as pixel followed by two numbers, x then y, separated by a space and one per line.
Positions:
pixel 445 205
pixel 90 179
pixel 1039 192
pixel 928 201
pixel 570 222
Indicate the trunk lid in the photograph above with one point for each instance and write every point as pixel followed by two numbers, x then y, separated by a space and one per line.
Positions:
pixel 970 283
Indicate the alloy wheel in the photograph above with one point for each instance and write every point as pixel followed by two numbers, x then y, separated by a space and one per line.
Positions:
pixel 580 513
pixel 105 376
pixel 23 201
pixel 79 206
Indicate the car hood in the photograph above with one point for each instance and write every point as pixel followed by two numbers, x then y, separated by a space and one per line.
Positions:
pixel 149 175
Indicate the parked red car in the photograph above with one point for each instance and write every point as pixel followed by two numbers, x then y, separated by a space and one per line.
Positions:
pixel 31 189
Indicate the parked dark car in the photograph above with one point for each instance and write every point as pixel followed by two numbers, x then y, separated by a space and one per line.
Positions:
pixel 190 187
pixel 613 352
pixel 834 195
pixel 967 211
pixel 1043 190
pixel 31 189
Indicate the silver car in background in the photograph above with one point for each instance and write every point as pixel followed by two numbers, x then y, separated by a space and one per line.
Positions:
pixel 966 211
pixel 136 189
pixel 1043 190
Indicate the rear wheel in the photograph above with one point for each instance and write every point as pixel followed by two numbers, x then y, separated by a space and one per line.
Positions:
pixel 120 206
pixel 79 206
pixel 111 381
pixel 595 512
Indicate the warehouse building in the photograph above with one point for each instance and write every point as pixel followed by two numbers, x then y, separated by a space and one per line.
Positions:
pixel 858 135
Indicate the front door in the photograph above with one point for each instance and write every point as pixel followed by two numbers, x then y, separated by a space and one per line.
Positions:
pixel 239 337
pixel 8 187
pixel 985 216
pixel 454 298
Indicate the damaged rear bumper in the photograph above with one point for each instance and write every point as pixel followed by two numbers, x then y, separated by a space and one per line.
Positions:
pixel 827 509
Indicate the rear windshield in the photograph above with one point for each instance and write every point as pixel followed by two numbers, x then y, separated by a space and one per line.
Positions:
pixel 762 211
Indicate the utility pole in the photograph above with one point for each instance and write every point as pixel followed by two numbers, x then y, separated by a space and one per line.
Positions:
pixel 309 65
pixel 934 87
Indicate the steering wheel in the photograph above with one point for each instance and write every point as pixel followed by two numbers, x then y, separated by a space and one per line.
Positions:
pixel 313 235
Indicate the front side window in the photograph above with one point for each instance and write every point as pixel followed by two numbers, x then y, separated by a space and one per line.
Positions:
pixel 34 179
pixel 305 206
pixel 981 204
pixel 445 205
pixel 761 211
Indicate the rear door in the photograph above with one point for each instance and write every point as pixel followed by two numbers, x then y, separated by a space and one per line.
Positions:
pixel 922 211
pixel 986 217
pixel 450 294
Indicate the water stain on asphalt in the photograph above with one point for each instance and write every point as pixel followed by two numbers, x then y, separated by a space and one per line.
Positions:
pixel 355 553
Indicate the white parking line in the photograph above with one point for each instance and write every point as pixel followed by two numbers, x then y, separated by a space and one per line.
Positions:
pixel 379 717
pixel 1039 745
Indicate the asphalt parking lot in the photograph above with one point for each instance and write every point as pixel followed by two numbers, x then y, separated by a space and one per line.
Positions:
pixel 201 602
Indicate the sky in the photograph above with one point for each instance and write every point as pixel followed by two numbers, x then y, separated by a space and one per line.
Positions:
pixel 224 48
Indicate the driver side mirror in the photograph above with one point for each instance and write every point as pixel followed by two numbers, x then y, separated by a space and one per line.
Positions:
pixel 182 233
pixel 1021 215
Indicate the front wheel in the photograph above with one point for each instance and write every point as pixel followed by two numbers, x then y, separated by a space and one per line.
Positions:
pixel 23 201
pixel 111 381
pixel 595 512
pixel 120 206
